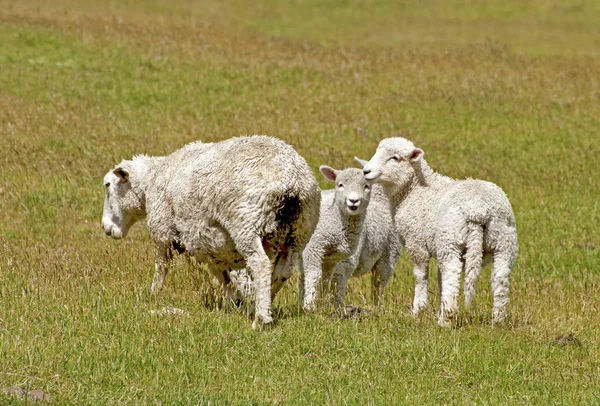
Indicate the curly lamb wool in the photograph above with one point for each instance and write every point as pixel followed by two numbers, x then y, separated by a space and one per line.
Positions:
pixel 338 232
pixel 245 202
pixel 461 223
pixel 378 249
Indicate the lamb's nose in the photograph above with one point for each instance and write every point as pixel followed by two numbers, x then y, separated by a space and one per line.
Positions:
pixel 353 201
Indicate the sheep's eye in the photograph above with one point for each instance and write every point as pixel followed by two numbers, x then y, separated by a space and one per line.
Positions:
pixel 340 185
pixel 367 187
pixel 396 158
pixel 107 184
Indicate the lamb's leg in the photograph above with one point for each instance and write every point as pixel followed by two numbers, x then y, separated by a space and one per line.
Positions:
pixel 376 290
pixel 381 274
pixel 163 260
pixel 339 282
pixel 342 272
pixel 473 261
pixel 421 272
pixel 312 277
pixel 500 285
pixel 450 272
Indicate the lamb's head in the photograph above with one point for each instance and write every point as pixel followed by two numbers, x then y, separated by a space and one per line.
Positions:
pixel 352 190
pixel 123 204
pixel 393 162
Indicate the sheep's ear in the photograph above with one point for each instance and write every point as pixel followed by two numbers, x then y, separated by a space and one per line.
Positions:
pixel 416 155
pixel 122 174
pixel 328 172
pixel 362 162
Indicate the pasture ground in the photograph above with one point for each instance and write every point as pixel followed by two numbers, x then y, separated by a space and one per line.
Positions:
pixel 503 90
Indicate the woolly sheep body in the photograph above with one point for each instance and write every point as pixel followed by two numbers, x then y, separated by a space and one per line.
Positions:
pixel 242 202
pixel 460 223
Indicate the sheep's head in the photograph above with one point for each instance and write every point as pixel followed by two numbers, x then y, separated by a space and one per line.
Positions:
pixel 123 206
pixel 393 162
pixel 352 191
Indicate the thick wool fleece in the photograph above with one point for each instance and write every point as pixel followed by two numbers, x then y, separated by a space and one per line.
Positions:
pixel 245 202
pixel 461 223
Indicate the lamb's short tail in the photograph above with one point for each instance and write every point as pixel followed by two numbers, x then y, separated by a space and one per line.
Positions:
pixel 473 260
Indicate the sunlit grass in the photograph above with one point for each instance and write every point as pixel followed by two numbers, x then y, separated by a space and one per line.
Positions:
pixel 504 91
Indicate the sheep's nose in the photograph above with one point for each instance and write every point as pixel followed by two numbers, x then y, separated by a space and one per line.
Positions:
pixel 353 200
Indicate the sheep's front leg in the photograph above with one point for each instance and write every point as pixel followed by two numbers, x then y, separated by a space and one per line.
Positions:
pixel 421 273
pixel 163 260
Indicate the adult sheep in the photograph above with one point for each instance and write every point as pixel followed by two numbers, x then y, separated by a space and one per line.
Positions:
pixel 247 202
pixel 458 222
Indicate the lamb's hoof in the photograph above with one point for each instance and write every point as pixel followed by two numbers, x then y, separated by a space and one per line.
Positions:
pixel 447 319
pixel 498 318
pixel 349 312
pixel 355 311
pixel 261 323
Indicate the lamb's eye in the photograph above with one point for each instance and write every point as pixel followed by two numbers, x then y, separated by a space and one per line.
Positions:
pixel 107 184
pixel 340 185
pixel 396 158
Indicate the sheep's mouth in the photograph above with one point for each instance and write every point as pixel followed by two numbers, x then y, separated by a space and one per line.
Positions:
pixel 353 208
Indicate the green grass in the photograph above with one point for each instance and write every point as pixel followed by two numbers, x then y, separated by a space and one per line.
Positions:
pixel 507 91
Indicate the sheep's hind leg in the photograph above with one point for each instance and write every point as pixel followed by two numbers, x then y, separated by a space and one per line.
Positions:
pixel 450 271
pixel 500 285
pixel 261 268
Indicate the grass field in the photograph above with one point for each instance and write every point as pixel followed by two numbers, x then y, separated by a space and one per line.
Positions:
pixel 507 91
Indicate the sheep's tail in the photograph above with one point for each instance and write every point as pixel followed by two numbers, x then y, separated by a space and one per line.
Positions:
pixel 473 260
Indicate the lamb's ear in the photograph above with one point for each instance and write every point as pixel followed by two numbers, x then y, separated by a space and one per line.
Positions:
pixel 416 155
pixel 122 174
pixel 362 162
pixel 328 172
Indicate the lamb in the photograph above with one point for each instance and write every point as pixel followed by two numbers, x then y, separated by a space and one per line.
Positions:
pixel 338 231
pixel 246 202
pixel 461 223
pixel 378 251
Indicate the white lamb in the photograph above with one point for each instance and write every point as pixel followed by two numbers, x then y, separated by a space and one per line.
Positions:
pixel 378 251
pixel 458 222
pixel 246 202
pixel 338 232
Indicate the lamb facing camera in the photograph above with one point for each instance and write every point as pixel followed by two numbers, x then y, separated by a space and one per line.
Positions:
pixel 338 232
